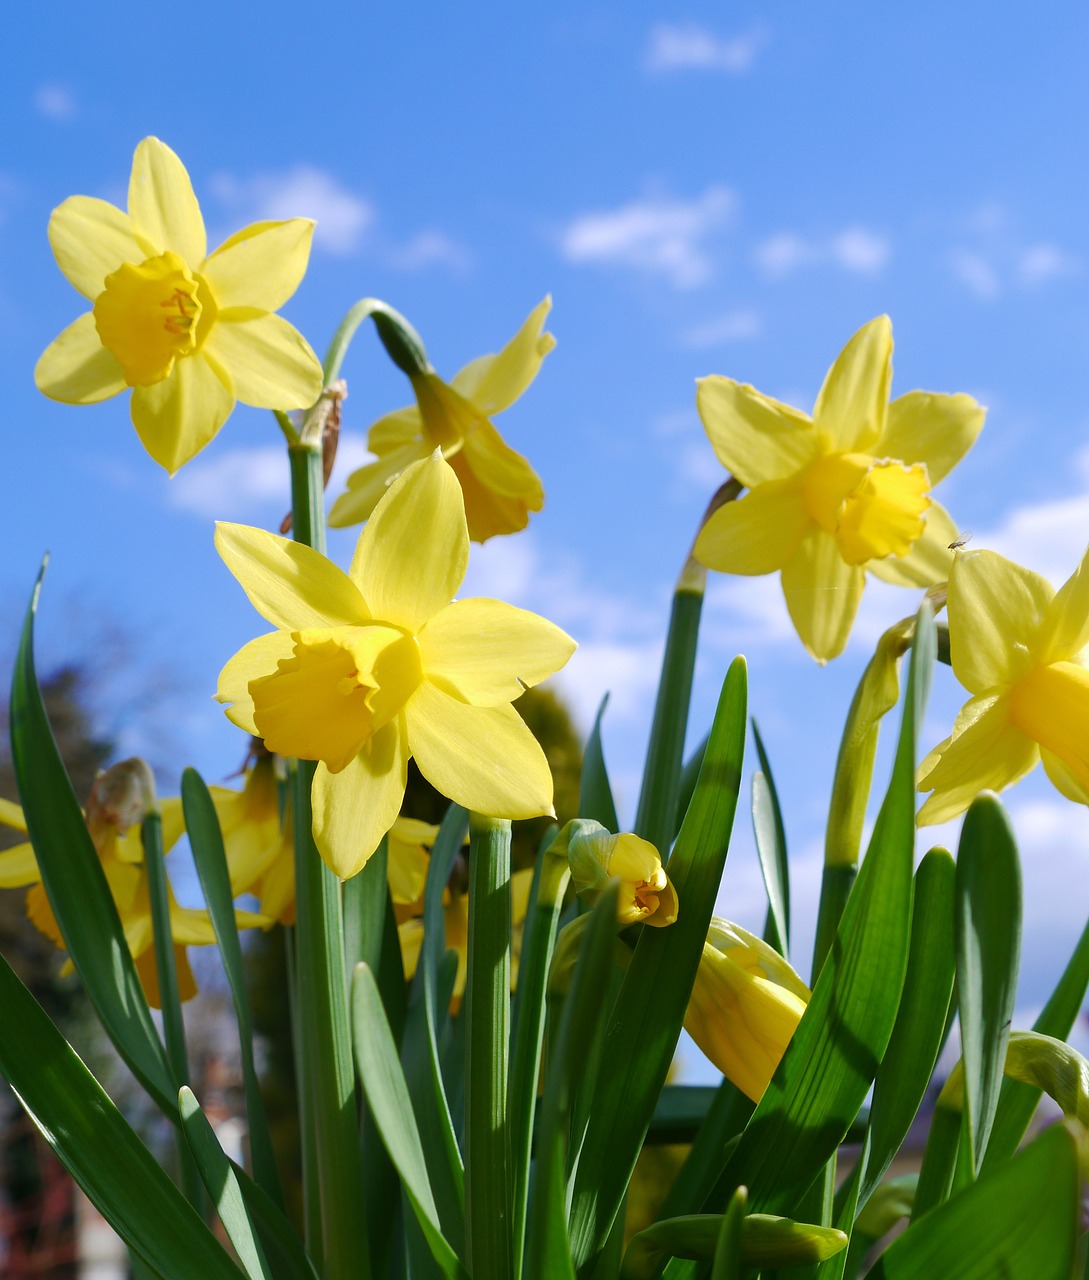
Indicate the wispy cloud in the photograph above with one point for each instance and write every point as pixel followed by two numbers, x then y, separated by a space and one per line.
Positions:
pixel 994 258
pixel 432 249
pixel 686 46
pixel 734 326
pixel 344 217
pixel 976 273
pixel 55 102
pixel 657 235
pixel 856 249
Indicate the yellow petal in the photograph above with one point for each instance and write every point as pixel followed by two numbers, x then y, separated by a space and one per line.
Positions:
pixel 76 368
pixel 487 652
pixel 984 753
pixel 1064 778
pixel 494 382
pixel 924 426
pixel 177 417
pixel 413 553
pixel 191 927
pixel 270 363
pixel 395 430
pixel 260 266
pixel 853 403
pixel 353 809
pixel 251 662
pixel 91 238
pixel 278 887
pixel 756 438
pixel 758 533
pixel 499 468
pixel 162 205
pixel 19 867
pixel 11 815
pixel 929 560
pixel 1065 631
pixel 487 513
pixel 483 758
pixel 288 583
pixel 1051 706
pixel 996 616
pixel 367 485
pixel 822 594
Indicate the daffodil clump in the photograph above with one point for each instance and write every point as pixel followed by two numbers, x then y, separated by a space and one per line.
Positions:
pixel 484 1019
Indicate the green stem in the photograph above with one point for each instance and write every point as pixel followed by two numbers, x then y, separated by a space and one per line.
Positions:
pixel 323 1024
pixel 403 344
pixel 151 833
pixel 488 1188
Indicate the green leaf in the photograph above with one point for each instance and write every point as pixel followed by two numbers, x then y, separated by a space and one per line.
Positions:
pixel 488 1206
pixel 384 1084
pixel 689 774
pixel 646 1020
pixel 726 1118
pixel 97 1146
pixel 595 792
pixel 548 1252
pixel 824 1075
pixel 988 952
pixel 939 1167
pixel 916 1039
pixel 283 1248
pixel 206 841
pixel 662 772
pixel 218 1176
pixel 767 824
pixel 76 884
pixel 728 1263
pixel 1018 1222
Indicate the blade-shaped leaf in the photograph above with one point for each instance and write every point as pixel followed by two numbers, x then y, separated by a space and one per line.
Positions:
pixel 770 833
pixel 595 792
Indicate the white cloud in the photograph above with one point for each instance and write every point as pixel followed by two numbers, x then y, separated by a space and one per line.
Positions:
pixel 855 249
pixel 690 47
pixel 431 249
pixel 55 102
pixel 734 326
pixel 343 217
pixel 1042 262
pixel 976 272
pixel 658 235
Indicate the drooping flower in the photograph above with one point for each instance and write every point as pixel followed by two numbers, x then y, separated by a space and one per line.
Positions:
pixel 500 486
pixel 372 667
pixel 839 494
pixel 745 1006
pixel 597 857
pixel 1020 649
pixel 121 852
pixel 189 332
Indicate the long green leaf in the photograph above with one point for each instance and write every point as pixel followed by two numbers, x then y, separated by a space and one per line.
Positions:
pixel 384 1084
pixel 219 1178
pixel 595 792
pixel 726 1118
pixel 646 1020
pixel 770 833
pixel 206 841
pixel 489 1212
pixel 824 1075
pixel 75 882
pixel 1019 1222
pixel 97 1146
pixel 988 952
pixel 916 1039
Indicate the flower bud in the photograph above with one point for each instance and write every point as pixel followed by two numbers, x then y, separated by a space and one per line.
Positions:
pixel 596 856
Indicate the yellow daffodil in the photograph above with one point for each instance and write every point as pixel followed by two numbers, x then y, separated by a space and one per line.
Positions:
pixel 456 919
pixel 372 667
pixel 500 486
pixel 1020 648
pixel 745 1006
pixel 839 494
pixel 189 332
pixel 597 857
pixel 122 855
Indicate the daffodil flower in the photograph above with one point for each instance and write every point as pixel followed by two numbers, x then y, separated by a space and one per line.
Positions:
pixel 1020 648
pixel 839 494
pixel 189 332
pixel 745 1006
pixel 372 667
pixel 597 857
pixel 122 855
pixel 500 486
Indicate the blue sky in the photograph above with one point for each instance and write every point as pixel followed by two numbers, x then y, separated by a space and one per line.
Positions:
pixel 702 189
